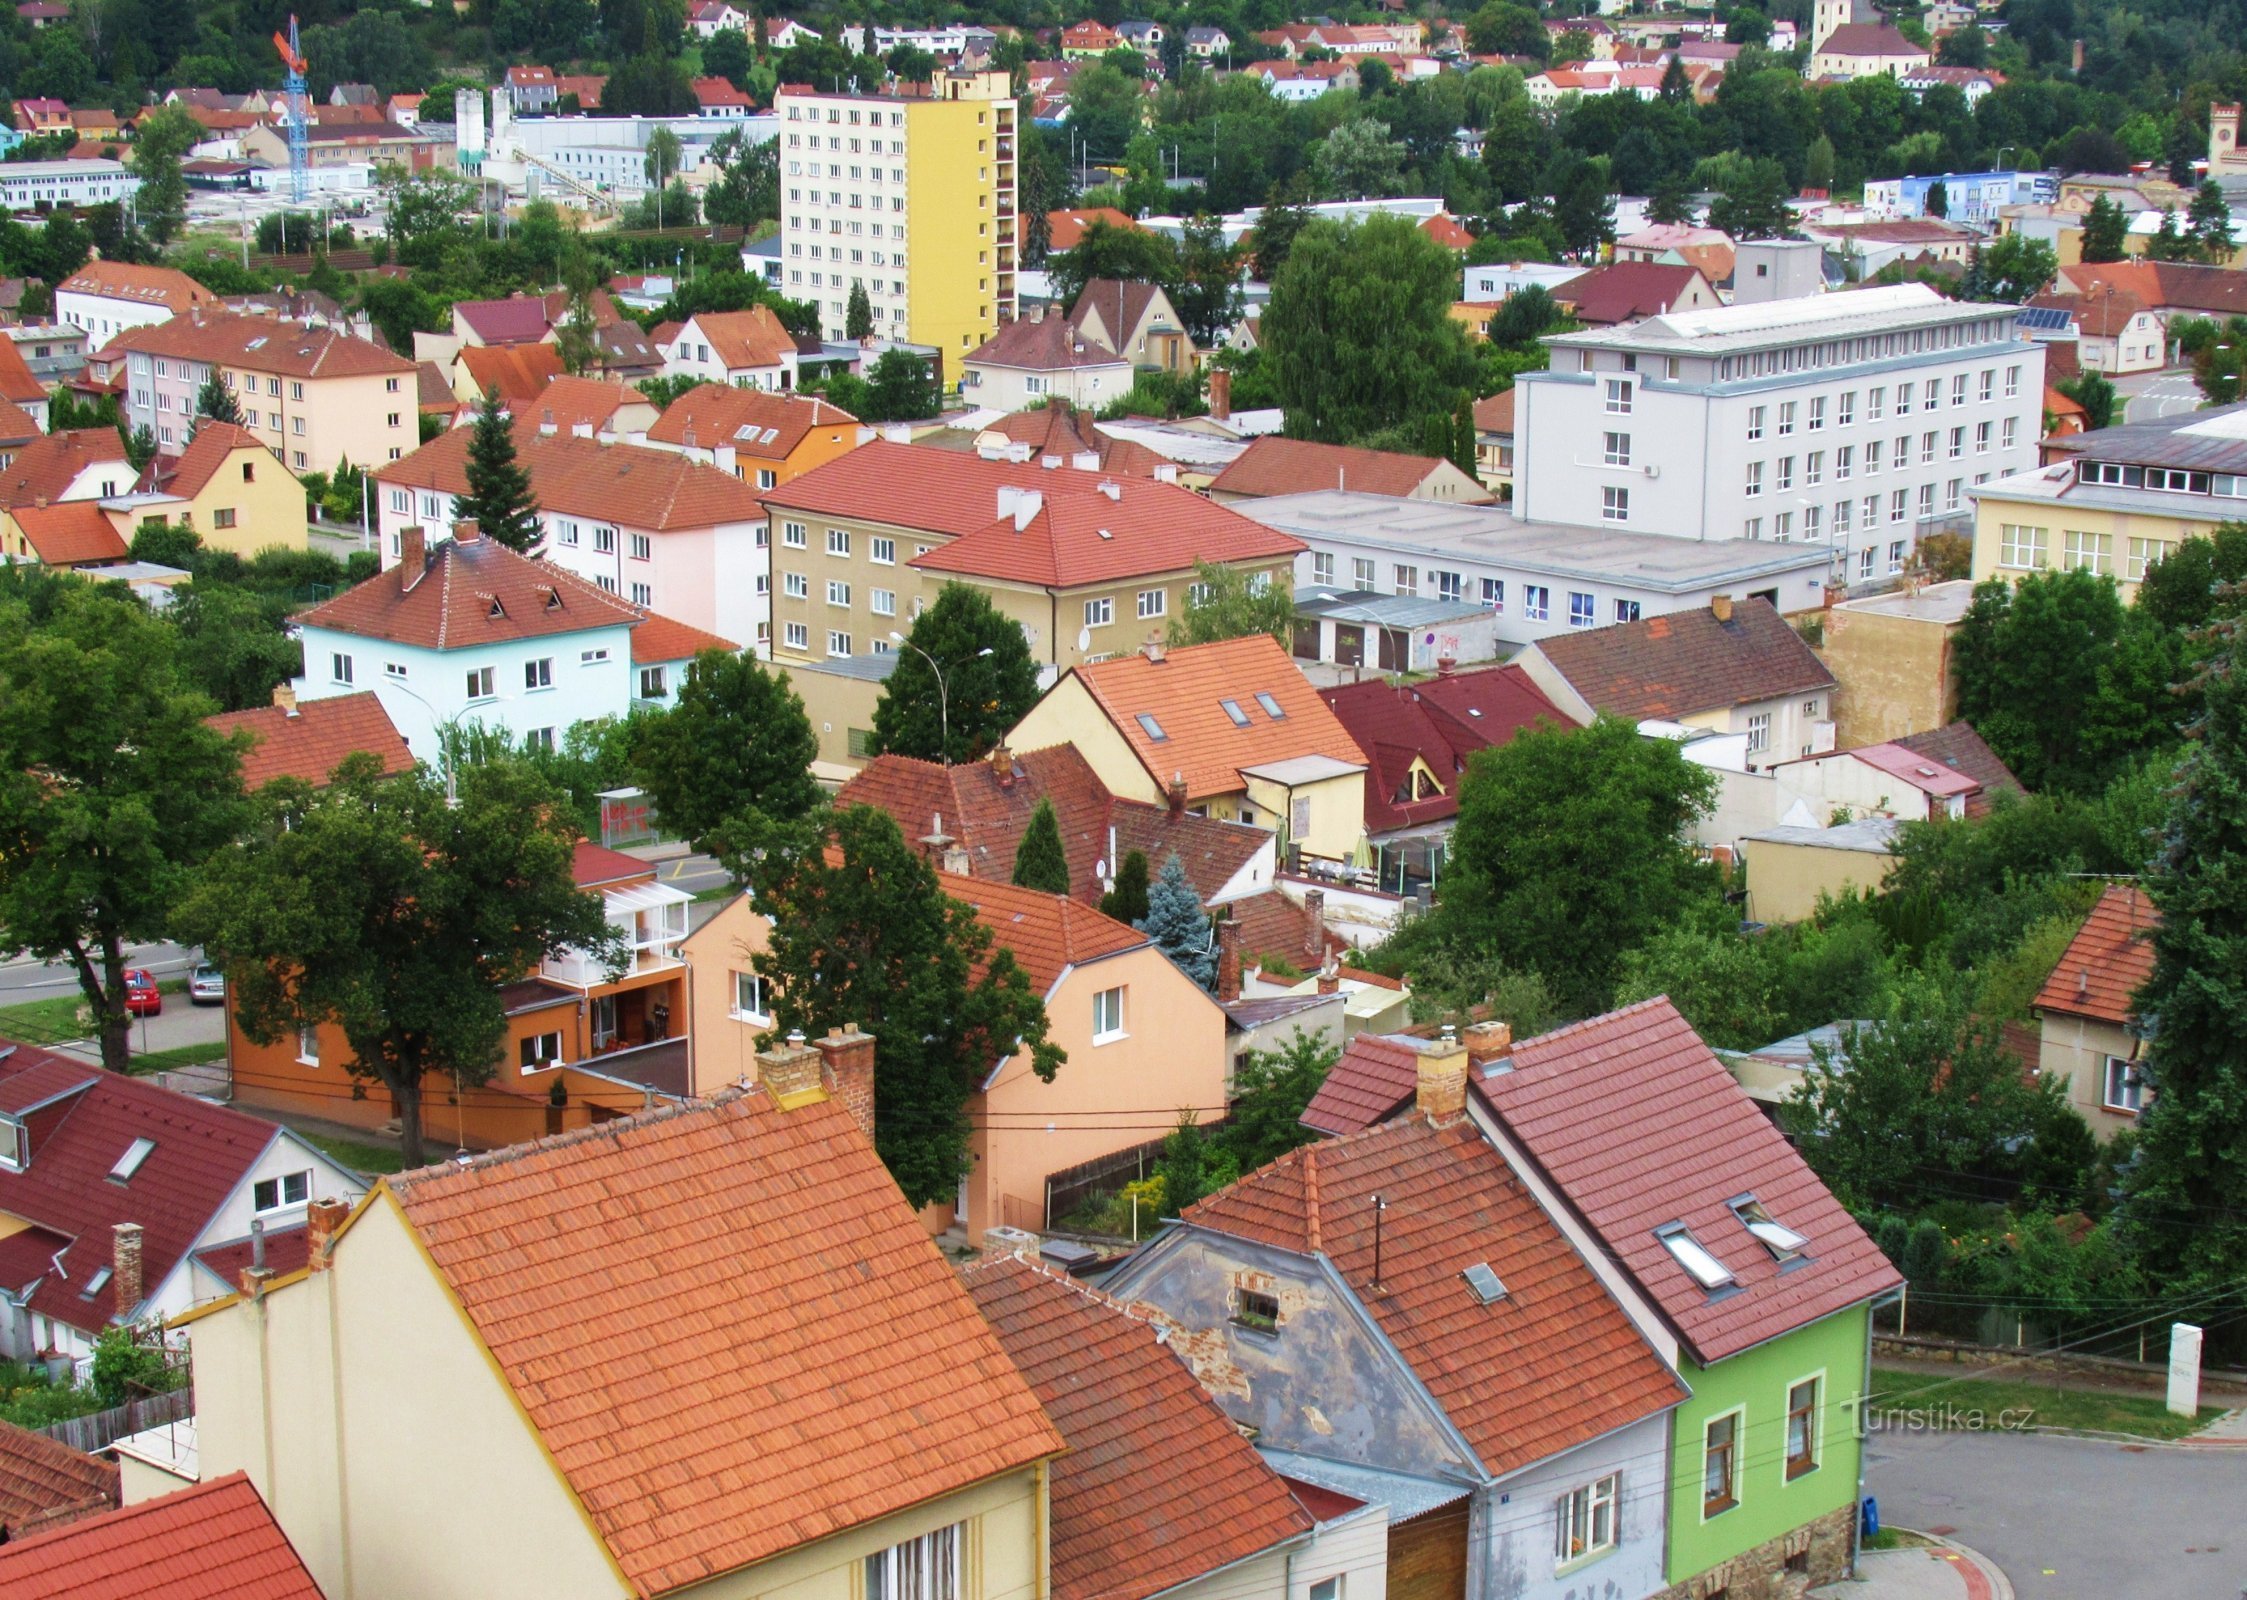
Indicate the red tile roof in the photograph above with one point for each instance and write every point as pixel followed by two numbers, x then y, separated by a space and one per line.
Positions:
pixel 1158 1488
pixel 17 385
pixel 718 93
pixel 1048 933
pixel 1041 344
pixel 2166 285
pixel 520 372
pixel 216 1541
pixel 2105 312
pixel 1184 693
pixel 568 401
pixel 1553 1363
pixel 168 287
pixel 519 319
pixel 1066 229
pixel 752 338
pixel 44 1483
pixel 1685 662
pixel 628 484
pixel 70 534
pixel 721 414
pixel 1441 722
pixel 213 444
pixel 202 1153
pixel 46 467
pixel 262 344
pixel 312 742
pixel 1273 465
pixel 1372 1080
pixel 1496 414
pixel 1956 745
pixel 1275 927
pixel 1637 1126
pixel 471 593
pixel 720 1383
pixel 1627 291
pixel 663 639
pixel 596 864
pixel 1090 528
pixel 1446 230
pixel 2108 961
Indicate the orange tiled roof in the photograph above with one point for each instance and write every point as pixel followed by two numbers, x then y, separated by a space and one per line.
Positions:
pixel 1047 932
pixel 1273 465
pixel 17 385
pixel 44 1483
pixel 213 443
pixel 568 401
pixel 1184 692
pixel 70 533
pixel 312 742
pixel 262 344
pixel 628 484
pixel 1158 1487
pixel 719 1383
pixel 520 372
pixel 1549 1366
pixel 661 638
pixel 471 592
pixel 719 413
pixel 752 338
pixel 1066 229
pixel 1496 414
pixel 149 286
pixel 47 466
pixel 2108 961
pixel 216 1541
pixel 16 424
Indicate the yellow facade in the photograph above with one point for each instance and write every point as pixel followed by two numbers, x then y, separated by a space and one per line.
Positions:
pixel 960 194
pixel 251 503
pixel 2014 538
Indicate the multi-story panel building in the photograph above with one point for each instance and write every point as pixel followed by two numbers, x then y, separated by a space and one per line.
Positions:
pixel 313 396
pixel 34 185
pixel 104 298
pixel 911 197
pixel 1858 422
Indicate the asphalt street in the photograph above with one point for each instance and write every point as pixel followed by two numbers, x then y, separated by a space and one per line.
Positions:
pixel 2074 1519
pixel 2150 396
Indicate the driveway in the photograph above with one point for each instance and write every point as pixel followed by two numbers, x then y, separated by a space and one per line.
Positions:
pixel 2073 1519
pixel 2150 396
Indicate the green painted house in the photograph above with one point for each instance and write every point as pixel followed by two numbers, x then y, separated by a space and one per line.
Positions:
pixel 1737 1265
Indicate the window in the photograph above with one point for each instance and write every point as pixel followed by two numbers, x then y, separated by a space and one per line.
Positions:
pixel 1872 457
pixel 394 669
pixel 1786 418
pixel 1271 706
pixel 1813 469
pixel 1989 381
pixel 1582 610
pixel 795 585
pixel 2144 555
pixel 1494 593
pixel 1720 1465
pixel 289 1189
pixel 927 1568
pixel 1802 1428
pixel 2125 1090
pixel 1618 449
pixel 1327 1589
pixel 1361 572
pixel 1108 1016
pixel 539 674
pixel 2009 434
pixel 1759 731
pixel 1407 579
pixel 2020 546
pixel 2092 552
pixel 479 683
pixel 1536 602
pixel 1926 499
pixel 792 535
pixel 749 999
pixel 1926 447
pixel 882 552
pixel 1153 602
pixel 838 541
pixel 796 636
pixel 604 541
pixel 838 592
pixel 1755 478
pixel 401 500
pixel 2012 382
pixel 643 548
pixel 1099 613
pixel 1449 585
pixel 540 1052
pixel 1846 412
pixel 654 683
pixel 308 1047
pixel 223 517
pixel 1151 728
pixel 339 665
pixel 1981 438
pixel 1958 389
pixel 1233 711
pixel 1817 413
pixel 838 643
pixel 1252 1309
pixel 1752 528
pixel 1810 516
pixel 539 739
pixel 129 1163
pixel 1755 422
pixel 1615 504
pixel 1619 397
pixel 1896 556
pixel 1865 559
pixel 1930 394
pixel 884 602
pixel 1626 611
pixel 1874 399
pixel 1587 1524
pixel 1896 503
pixel 1785 474
pixel 1844 462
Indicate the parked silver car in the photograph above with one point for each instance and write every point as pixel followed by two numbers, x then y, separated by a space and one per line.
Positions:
pixel 206 985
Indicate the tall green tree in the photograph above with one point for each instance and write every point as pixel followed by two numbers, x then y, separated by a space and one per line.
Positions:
pixel 1040 861
pixel 858 319
pixel 735 749
pixel 964 676
pixel 1127 901
pixel 214 402
pixel 1230 603
pixel 2094 391
pixel 869 936
pixel 2029 656
pixel 1178 923
pixel 1285 212
pixel 2016 267
pixel 1130 254
pixel 1753 205
pixel 165 137
pixel 2210 219
pixel 2105 231
pixel 499 499
pixel 380 906
pixel 234 642
pixel 1359 330
pixel 112 787
pixel 1207 296
pixel 664 155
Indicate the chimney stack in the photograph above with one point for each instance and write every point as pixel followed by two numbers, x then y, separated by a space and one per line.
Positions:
pixel 546 420
pixel 1721 605
pixel 413 558
pixel 321 1219
pixel 1228 960
pixel 1174 793
pixel 1330 975
pixel 284 697
pixel 955 859
pixel 1314 903
pixel 789 1068
pixel 849 1059
pixel 467 532
pixel 1488 1042
pixel 1440 1091
pixel 1220 394
pixel 125 1277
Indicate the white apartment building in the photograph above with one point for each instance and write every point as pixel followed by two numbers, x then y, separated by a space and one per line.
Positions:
pixel 1856 421
pixel 28 185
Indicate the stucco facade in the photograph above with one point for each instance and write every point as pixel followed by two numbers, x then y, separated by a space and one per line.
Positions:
pixel 2097 1061
pixel 1891 657
pixel 311 423
pixel 2023 525
pixel 1790 869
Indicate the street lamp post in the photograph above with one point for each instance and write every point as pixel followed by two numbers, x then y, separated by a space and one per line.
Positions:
pixel 440 724
pixel 943 694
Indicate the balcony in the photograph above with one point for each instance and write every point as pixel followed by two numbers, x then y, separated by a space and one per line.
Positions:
pixel 650 919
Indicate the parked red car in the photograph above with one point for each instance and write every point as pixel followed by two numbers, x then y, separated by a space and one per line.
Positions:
pixel 142 997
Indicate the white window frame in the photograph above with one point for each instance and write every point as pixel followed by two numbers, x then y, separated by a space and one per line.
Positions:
pixel 2133 1093
pixel 751 1000
pixel 1587 1522
pixel 1108 1016
pixel 280 1184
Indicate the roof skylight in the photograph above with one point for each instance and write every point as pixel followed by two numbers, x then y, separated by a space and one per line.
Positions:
pixel 1233 710
pixel 1154 728
pixel 1489 1288
pixel 1782 1241
pixel 1271 706
pixel 1705 1269
pixel 129 1163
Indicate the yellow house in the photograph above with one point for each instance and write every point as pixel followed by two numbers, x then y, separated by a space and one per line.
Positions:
pixel 703 1351
pixel 1790 869
pixel 1231 730
pixel 1136 1031
pixel 2084 1011
pixel 231 489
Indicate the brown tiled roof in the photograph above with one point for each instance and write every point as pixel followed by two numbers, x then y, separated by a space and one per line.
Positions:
pixel 463 584
pixel 261 344
pixel 2166 285
pixel 986 806
pixel 1626 291
pixel 2108 961
pixel 1685 662
pixel 716 1382
pixel 1121 302
pixel 149 286
pixel 1868 39
pixel 213 443
pixel 1956 745
pixel 312 743
pixel 70 533
pixel 1276 927
pixel 46 467
pixel 1048 933
pixel 520 372
pixel 518 319
pixel 1496 414
pixel 1060 429
pixel 44 1483
pixel 16 424
pixel 1273 465
pixel 941 491
pixel 436 394
pixel 1372 1080
pixel 592 865
pixel 1184 692
pixel 17 384
pixel 752 338
pixel 2102 313
pixel 1041 344
pixel 1637 1126
pixel 1098 529
pixel 216 1541
pixel 1553 1363
pixel 627 484
pixel 720 413
pixel 1158 1487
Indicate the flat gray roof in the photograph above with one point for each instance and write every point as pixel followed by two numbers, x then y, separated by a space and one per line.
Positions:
pixel 1386 610
pixel 1725 330
pixel 872 668
pixel 1872 835
pixel 1494 536
pixel 1938 602
pixel 65 169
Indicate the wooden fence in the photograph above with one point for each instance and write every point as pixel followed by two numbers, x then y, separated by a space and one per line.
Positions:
pixel 98 1430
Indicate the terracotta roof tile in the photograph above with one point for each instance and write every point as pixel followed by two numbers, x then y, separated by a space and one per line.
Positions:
pixel 1626 291
pixel 1958 746
pixel 719 413
pixel 1047 932
pixel 44 1483
pixel 1637 1125
pixel 520 319
pixel 312 743
pixel 1372 1080
pixel 1066 229
pixel 1041 344
pixel 593 865
pixel 663 639
pixel 568 401
pixel 215 1541
pixel 628 484
pixel 1119 303
pixel 2104 312
pixel 46 467
pixel 1441 722
pixel 1185 693
pixel 1274 926
pixel 2108 961
pixel 147 286
pixel 2166 285
pixel 1551 1364
pixel 1092 528
pixel 71 533
pixel 209 450
pixel 821 1365
pixel 262 344
pixel 520 372
pixel 752 338
pixel 1272 465
pixel 452 605
pixel 1158 1487
pixel 1496 414
pixel 1685 662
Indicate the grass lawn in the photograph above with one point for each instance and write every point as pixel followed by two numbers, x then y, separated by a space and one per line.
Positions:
pixel 184 1055
pixel 1897 1539
pixel 50 1021
pixel 368 1159
pixel 1945 1398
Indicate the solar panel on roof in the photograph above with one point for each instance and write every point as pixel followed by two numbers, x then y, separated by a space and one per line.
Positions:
pixel 2051 317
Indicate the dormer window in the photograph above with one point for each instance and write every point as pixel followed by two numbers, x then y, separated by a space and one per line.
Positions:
pixel 553 599
pixel 1689 1253
pixel 1783 1242
pixel 498 609
pixel 129 1163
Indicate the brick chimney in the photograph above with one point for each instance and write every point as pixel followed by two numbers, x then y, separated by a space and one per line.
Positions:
pixel 1220 393
pixel 413 558
pixel 1228 960
pixel 1440 1091
pixel 1174 793
pixel 321 1219
pixel 1314 937
pixel 848 1056
pixel 467 532
pixel 546 420
pixel 1488 1042
pixel 284 698
pixel 789 1068
pixel 125 1277
pixel 1721 605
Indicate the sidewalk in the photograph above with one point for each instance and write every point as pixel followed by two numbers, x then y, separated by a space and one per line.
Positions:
pixel 1944 1571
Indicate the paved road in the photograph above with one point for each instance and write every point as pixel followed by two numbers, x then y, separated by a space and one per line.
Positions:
pixel 2150 396
pixel 2069 1519
pixel 25 979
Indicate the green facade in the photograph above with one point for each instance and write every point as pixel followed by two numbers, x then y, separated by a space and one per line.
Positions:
pixel 1754 1386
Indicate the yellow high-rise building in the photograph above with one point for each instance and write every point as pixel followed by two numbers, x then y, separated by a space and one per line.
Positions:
pixel 911 195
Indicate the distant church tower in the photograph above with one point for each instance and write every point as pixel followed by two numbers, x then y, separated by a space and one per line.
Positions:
pixel 1828 15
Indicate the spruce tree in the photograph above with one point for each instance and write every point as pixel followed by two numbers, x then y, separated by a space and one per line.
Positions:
pixel 1127 901
pixel 1039 860
pixel 858 321
pixel 1179 925
pixel 214 401
pixel 499 498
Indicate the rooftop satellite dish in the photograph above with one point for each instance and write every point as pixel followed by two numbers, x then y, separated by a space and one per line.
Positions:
pixel 1099 870
pixel 1084 640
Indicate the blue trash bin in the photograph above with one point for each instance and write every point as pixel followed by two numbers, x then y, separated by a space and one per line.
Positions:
pixel 1868 1517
